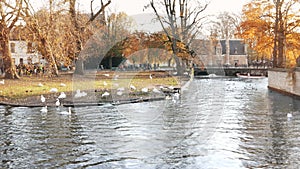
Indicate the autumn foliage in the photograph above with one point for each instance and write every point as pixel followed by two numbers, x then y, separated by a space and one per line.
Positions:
pixel 271 28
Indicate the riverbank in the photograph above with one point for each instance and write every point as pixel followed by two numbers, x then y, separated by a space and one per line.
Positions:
pixel 285 81
pixel 95 88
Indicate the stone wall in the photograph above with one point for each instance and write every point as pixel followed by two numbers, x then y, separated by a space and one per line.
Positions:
pixel 285 81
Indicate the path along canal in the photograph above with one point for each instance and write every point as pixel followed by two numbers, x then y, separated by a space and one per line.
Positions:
pixel 217 123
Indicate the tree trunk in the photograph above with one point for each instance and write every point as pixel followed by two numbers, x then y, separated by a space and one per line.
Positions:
pixel 9 67
pixel 281 38
pixel 50 58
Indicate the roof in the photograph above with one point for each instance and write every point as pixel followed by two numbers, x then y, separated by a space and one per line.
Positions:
pixel 237 47
pixel 202 46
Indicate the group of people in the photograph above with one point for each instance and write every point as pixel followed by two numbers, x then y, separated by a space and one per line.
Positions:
pixel 146 66
pixel 30 69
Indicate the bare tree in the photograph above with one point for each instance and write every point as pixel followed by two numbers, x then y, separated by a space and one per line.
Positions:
pixel 182 18
pixel 80 28
pixel 10 13
pixel 226 26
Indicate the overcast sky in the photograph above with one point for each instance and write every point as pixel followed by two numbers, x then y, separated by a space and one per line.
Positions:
pixel 132 7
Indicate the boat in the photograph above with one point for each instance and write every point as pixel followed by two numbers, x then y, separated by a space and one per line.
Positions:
pixel 250 76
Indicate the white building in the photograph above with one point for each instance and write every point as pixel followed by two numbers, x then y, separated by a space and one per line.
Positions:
pixel 23 52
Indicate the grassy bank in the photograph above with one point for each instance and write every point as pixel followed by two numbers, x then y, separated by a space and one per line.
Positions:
pixel 34 86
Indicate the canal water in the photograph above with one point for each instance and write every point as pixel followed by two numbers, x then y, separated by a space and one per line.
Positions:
pixel 216 123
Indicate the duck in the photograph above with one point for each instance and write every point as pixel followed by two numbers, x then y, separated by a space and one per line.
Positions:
pixel 107 75
pixel 150 76
pixel 2 82
pixel 289 115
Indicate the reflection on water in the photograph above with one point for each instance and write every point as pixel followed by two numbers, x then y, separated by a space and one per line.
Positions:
pixel 218 123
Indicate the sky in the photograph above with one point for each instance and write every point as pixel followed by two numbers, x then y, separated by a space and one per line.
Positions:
pixel 133 7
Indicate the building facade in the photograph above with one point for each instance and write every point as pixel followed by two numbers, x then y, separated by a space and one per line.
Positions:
pixel 22 52
pixel 216 53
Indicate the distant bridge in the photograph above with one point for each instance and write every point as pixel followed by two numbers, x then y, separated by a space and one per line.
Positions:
pixel 229 71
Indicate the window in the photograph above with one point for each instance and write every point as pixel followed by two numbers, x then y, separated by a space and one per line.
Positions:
pixel 235 51
pixel 29 60
pixel 12 47
pixel 30 47
pixel 21 61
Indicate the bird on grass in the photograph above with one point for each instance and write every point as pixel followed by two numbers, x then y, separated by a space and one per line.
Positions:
pixel 40 85
pixel 63 85
pixel 105 94
pixel 2 82
pixel 155 90
pixel 132 87
pixel 53 90
pixel 79 94
pixel 145 90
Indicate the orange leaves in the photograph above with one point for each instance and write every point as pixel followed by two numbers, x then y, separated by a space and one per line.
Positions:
pixel 141 41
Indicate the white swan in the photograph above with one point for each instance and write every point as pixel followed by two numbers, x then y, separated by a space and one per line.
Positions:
pixel 40 85
pixel 57 103
pixel 2 82
pixel 145 90
pixel 63 85
pixel 80 94
pixel 132 87
pixel 121 89
pixel 62 95
pixel 43 99
pixel 176 96
pixel 44 109
pixel 105 94
pixel 156 90
pixel 53 90
pixel 289 115
pixel 69 112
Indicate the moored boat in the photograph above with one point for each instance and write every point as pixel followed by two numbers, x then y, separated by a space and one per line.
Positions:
pixel 250 76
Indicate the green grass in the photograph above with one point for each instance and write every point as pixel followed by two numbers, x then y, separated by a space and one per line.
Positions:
pixel 28 86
